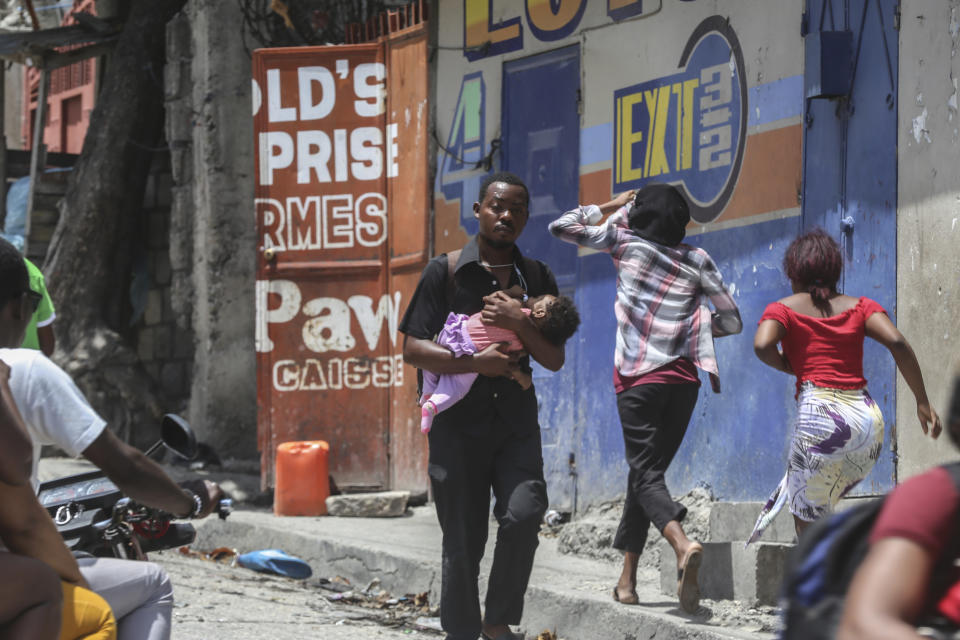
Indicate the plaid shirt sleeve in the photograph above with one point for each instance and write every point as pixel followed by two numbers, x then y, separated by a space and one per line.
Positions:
pixel 571 227
pixel 726 319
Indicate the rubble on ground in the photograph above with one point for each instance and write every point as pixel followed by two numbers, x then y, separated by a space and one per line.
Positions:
pixel 591 533
pixel 412 611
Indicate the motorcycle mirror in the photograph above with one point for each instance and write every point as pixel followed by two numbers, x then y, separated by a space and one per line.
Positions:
pixel 177 436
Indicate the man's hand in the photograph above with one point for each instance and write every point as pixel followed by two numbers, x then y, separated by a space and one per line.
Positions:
pixel 516 291
pixel 144 480
pixel 4 372
pixel 929 418
pixel 500 310
pixel 210 494
pixel 492 362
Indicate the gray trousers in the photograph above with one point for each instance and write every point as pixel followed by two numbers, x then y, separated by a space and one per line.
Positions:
pixel 139 593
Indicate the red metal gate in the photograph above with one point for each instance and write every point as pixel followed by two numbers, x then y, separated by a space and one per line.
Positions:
pixel 407 105
pixel 341 209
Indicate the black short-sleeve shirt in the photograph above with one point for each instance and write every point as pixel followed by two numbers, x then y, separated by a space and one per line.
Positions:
pixel 489 398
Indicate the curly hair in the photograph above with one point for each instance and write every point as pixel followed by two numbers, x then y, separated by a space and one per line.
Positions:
pixel 507 178
pixel 814 262
pixel 561 321
pixel 14 278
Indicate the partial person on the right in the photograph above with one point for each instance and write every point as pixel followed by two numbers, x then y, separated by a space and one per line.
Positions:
pixel 838 433
pixel 908 586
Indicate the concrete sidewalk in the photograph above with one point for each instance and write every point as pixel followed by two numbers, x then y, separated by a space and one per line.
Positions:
pixel 568 594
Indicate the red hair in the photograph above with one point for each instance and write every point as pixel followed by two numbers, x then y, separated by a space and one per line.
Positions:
pixel 814 262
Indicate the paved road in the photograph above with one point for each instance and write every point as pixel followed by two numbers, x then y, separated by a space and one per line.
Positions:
pixel 216 601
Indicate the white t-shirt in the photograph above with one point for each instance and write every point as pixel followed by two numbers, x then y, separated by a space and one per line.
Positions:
pixel 53 408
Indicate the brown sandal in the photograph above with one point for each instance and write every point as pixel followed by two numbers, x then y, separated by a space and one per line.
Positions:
pixel 633 598
pixel 688 590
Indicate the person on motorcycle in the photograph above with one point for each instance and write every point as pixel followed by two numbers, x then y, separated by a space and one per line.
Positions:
pixel 56 413
pixel 33 604
pixel 30 597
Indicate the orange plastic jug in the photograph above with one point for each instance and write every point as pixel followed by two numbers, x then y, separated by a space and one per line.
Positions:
pixel 302 484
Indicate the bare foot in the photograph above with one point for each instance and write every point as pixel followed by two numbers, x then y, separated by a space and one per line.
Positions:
pixel 626 593
pixel 626 590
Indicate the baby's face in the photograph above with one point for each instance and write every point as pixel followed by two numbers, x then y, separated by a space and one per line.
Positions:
pixel 540 306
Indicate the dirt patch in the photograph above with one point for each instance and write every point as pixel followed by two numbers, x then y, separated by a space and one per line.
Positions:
pixel 591 534
pixel 738 614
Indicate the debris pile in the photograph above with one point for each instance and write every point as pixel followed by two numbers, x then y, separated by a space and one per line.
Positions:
pixel 410 610
pixel 591 533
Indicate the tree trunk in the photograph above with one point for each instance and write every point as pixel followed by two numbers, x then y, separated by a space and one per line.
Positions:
pixel 102 228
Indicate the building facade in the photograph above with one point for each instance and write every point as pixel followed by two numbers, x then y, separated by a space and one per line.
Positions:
pixel 586 99
pixel 775 118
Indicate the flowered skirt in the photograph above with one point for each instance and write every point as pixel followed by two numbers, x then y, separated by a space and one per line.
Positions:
pixel 836 441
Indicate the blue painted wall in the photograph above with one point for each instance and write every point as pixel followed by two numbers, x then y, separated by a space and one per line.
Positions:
pixel 737 440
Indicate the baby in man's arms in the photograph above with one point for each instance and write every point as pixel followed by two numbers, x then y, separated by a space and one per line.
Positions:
pixel 555 316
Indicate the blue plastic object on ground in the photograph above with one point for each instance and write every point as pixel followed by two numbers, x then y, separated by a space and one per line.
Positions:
pixel 275 561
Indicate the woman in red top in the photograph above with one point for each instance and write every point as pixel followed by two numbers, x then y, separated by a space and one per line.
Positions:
pixel 838 432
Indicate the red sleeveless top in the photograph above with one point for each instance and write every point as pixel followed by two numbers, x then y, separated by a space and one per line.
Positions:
pixel 825 351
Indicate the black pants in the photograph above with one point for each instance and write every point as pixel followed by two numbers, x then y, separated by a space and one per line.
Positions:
pixel 654 418
pixel 464 466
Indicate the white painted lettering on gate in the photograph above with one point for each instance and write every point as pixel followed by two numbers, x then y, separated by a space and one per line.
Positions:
pixel 312 374
pixel 289 294
pixel 323 222
pixel 328 328
pixel 371 323
pixel 363 153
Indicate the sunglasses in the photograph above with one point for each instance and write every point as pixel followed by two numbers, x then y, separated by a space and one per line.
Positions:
pixel 33 299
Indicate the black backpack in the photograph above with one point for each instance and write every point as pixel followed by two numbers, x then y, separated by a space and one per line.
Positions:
pixel 824 562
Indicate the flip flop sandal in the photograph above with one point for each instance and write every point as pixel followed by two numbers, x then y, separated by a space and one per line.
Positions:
pixel 688 590
pixel 633 598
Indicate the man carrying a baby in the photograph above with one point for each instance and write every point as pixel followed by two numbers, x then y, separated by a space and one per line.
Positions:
pixel 490 439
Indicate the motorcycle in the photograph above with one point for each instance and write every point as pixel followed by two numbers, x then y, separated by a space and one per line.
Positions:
pixel 94 517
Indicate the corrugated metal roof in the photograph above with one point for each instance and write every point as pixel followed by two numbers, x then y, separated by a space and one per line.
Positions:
pixel 47 44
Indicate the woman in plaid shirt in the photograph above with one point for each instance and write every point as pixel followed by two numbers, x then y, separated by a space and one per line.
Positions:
pixel 664 334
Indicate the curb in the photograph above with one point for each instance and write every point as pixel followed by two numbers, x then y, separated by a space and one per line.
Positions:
pixel 398 573
pixel 574 614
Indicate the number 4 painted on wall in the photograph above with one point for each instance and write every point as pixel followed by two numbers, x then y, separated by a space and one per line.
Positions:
pixel 465 143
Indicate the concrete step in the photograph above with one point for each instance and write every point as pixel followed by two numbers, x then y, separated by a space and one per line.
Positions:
pixel 731 572
pixel 735 520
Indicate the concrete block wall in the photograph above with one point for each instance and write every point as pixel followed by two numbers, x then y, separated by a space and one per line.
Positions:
pixel 178 104
pixel 735 521
pixel 212 235
pixel 164 345
pixel 731 571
